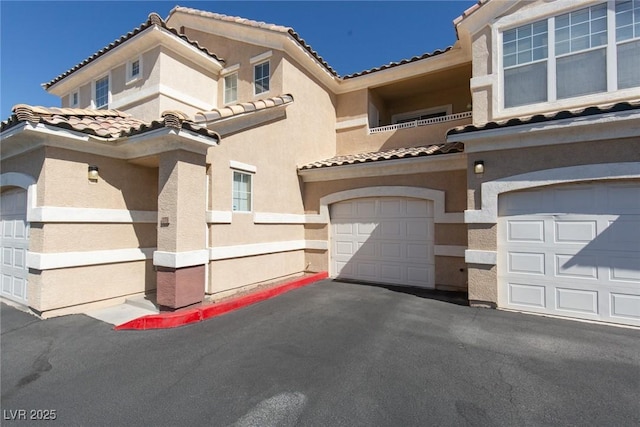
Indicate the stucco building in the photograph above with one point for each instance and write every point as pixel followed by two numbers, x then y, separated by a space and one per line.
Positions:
pixel 206 154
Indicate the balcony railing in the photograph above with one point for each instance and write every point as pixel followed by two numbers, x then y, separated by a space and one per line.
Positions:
pixel 425 122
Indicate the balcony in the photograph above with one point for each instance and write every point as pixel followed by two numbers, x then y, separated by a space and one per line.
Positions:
pixel 425 122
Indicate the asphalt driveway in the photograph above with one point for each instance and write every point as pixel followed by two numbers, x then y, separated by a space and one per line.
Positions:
pixel 330 354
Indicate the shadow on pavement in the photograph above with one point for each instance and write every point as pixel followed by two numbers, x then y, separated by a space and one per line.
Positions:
pixel 458 298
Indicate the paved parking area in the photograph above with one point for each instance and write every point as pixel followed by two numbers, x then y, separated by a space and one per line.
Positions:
pixel 330 354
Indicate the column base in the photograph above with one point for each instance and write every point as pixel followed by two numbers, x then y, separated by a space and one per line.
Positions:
pixel 180 287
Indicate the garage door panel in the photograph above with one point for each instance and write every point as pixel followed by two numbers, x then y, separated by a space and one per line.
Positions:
pixel 419 209
pixel 391 250
pixel 365 209
pixel 577 300
pixel 391 229
pixel 625 306
pixel 576 254
pixel 576 266
pixel 391 273
pixel 526 231
pixel 526 262
pixel 391 208
pixel 526 295
pixel 575 231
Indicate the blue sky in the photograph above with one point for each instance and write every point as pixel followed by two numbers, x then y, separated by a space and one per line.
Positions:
pixel 40 40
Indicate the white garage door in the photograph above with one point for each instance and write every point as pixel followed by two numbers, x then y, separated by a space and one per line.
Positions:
pixel 572 251
pixel 15 242
pixel 384 240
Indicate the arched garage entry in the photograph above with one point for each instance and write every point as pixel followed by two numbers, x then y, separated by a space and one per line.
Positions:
pixel 17 191
pixel 384 234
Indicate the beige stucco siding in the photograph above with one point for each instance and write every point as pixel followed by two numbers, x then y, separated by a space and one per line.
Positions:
pixel 221 234
pixel 60 288
pixel 78 237
pixel 30 164
pixel 242 272
pixel 122 185
pixel 504 163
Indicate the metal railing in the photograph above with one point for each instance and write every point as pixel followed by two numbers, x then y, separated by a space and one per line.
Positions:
pixel 424 122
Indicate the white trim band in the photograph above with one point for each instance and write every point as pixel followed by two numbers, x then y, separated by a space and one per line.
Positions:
pixel 259 58
pixel 481 257
pixel 238 251
pixel 284 218
pixel 219 217
pixel 449 250
pixel 242 166
pixel 49 261
pixel 180 259
pixel 90 215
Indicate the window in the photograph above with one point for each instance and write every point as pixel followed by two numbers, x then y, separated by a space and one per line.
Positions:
pixel 231 88
pixel 74 99
pixel 570 55
pixel 628 43
pixel 102 92
pixel 261 78
pixel 241 199
pixel 134 70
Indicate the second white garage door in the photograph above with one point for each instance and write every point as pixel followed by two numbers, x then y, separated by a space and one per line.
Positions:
pixel 383 240
pixel 572 250
pixel 15 243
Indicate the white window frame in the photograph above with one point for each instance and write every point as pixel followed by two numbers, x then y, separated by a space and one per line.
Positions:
pixel 224 89
pixel 447 109
pixel 259 60
pixel 94 101
pixel 243 169
pixel 73 94
pixel 255 82
pixel 130 77
pixel 547 11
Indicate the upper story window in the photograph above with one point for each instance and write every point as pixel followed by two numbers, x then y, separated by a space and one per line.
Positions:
pixel 261 78
pixel 231 88
pixel 74 99
pixel 572 54
pixel 101 92
pixel 134 70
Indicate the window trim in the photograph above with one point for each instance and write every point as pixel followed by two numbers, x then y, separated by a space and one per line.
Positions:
pixel 255 86
pixel 226 101
pixel 130 78
pixel 71 95
pixel 94 100
pixel 548 11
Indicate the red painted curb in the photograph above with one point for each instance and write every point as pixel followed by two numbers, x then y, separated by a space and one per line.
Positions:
pixel 198 314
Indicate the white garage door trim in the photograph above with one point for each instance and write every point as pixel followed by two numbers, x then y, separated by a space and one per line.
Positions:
pixel 572 250
pixel 15 244
pixel 383 240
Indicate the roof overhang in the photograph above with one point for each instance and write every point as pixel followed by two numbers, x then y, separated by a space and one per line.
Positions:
pixel 27 137
pixel 607 126
pixel 148 39
pixel 406 166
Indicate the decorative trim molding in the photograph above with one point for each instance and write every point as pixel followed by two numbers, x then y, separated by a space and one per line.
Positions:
pixel 90 215
pixel 50 261
pixel 219 217
pixel 285 218
pixel 481 257
pixel 352 123
pixel 437 196
pixel 242 166
pixel 259 58
pixel 449 250
pixel 180 259
pixel 238 251
pixel 488 214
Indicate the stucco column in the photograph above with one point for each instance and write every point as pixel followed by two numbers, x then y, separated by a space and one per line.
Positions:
pixel 181 256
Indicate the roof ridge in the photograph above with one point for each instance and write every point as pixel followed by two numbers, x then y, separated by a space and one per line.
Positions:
pixel 153 19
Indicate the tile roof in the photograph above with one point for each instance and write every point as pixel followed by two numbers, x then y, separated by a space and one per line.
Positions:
pixel 395 64
pixel 301 41
pixel 242 108
pixel 398 153
pixel 257 24
pixel 107 124
pixel 539 118
pixel 153 20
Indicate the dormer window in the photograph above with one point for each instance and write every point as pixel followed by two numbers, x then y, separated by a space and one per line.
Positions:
pixel 261 72
pixel 134 70
pixel 231 88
